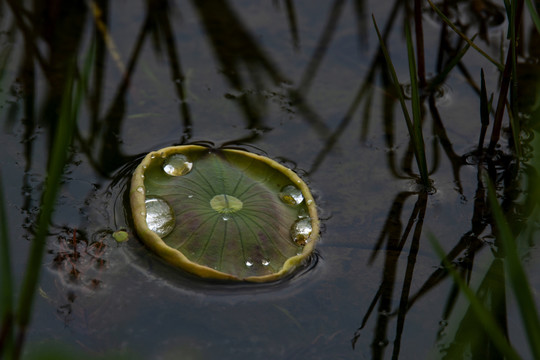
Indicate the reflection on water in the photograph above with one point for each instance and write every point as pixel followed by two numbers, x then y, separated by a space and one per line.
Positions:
pixel 308 86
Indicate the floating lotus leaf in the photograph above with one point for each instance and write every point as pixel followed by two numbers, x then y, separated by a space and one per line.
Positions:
pixel 222 213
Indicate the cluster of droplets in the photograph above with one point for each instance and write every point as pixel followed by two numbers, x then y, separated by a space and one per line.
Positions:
pixel 301 229
pixel 250 263
pixel 159 214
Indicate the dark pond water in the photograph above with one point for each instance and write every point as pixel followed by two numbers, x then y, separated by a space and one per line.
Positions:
pixel 303 83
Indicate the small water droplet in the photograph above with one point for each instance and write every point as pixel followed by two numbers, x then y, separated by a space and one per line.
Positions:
pixel 159 216
pixel 153 156
pixel 177 165
pixel 309 202
pixel 249 263
pixel 225 217
pixel 265 262
pixel 190 196
pixel 163 155
pixel 301 230
pixel 143 213
pixel 142 176
pixel 140 189
pixel 144 167
pixel 291 195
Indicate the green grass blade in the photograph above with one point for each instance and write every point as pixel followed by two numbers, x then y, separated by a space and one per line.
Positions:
pixel 484 110
pixel 484 104
pixel 534 15
pixel 57 161
pixel 464 37
pixel 395 80
pixel 517 276
pixel 487 320
pixel 516 130
pixel 401 98
pixel 417 136
pixel 439 79
pixel 6 288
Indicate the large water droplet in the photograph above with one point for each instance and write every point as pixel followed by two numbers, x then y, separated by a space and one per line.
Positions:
pixel 177 165
pixel 159 216
pixel 301 230
pixel 291 195
pixel 226 204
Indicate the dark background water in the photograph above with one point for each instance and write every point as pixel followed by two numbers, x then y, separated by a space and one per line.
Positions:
pixel 299 81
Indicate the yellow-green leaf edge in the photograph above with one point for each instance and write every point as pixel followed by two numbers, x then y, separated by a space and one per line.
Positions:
pixel 176 258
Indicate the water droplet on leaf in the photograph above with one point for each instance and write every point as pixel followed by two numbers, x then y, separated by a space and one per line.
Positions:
pixel 159 216
pixel 291 195
pixel 301 230
pixel 226 204
pixel 249 263
pixel 177 165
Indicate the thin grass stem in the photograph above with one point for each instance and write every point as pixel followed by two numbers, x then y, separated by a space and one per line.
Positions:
pixel 439 79
pixel 417 136
pixel 415 129
pixel 484 111
pixel 464 37
pixel 534 14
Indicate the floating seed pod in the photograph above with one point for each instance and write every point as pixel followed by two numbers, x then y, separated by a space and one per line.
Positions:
pixel 223 214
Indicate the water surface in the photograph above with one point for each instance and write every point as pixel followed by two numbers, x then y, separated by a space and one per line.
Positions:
pixel 303 84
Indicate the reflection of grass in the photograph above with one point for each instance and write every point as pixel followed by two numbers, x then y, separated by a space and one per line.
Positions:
pixel 492 319
pixel 506 241
pixel 483 315
pixel 57 160
pixel 520 288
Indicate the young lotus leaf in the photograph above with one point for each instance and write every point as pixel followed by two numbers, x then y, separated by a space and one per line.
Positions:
pixel 222 213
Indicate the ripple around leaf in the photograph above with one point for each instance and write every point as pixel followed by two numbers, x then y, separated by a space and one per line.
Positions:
pixel 230 219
